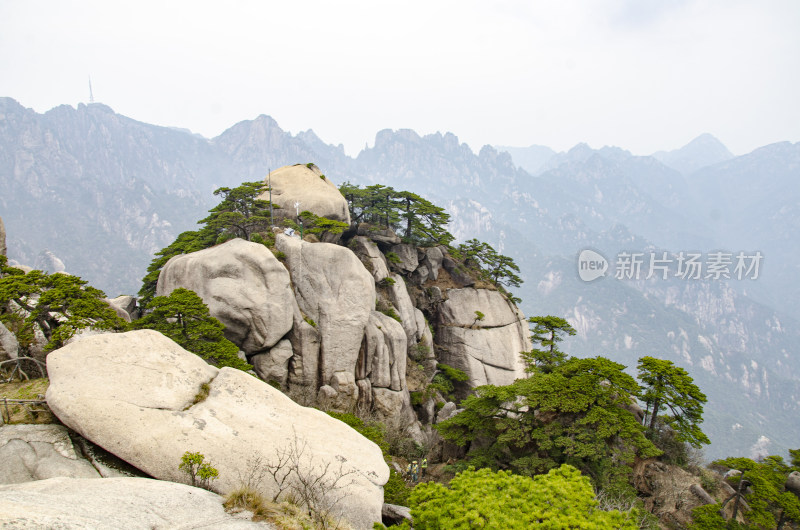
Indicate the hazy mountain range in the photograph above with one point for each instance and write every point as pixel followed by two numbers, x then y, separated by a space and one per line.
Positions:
pixel 101 192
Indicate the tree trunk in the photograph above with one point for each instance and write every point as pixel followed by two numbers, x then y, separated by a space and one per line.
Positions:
pixel 656 405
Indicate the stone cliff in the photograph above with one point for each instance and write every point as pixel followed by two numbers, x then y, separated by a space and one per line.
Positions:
pixel 360 325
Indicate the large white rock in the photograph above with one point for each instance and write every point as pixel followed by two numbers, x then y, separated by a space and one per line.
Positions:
pixel 333 288
pixel 488 350
pixel 113 503
pixel 306 185
pixel 244 286
pixel 132 394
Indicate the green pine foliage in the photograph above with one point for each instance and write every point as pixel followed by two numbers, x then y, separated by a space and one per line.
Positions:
pixel 416 219
pixel 490 264
pixel 669 387
pixel 574 414
pixel 314 224
pixel 183 317
pixel 547 332
pixel 58 304
pixel 771 506
pixel 501 500
pixel 240 214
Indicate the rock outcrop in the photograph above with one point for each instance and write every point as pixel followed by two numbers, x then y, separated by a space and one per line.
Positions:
pixel 371 256
pixel 138 395
pixel 37 452
pixel 481 333
pixel 337 293
pixel 244 286
pixel 113 503
pixel 9 345
pixel 309 187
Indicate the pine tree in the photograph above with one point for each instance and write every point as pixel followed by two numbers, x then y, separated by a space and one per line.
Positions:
pixel 669 387
pixel 548 331
pixel 576 413
pixel 58 304
pixel 183 317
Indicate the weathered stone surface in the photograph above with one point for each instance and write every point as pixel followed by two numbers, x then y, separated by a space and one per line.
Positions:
pixel 702 494
pixel 121 313
pixel 383 358
pixel 395 405
pixel 132 393
pixel 298 183
pixel 36 452
pixel 408 257
pixel 372 258
pixel 273 365
pixel 447 411
pixel 113 503
pixel 125 306
pixel 305 347
pixel 9 345
pixel 334 289
pixel 430 261
pixel 413 320
pixel 459 276
pixel 461 304
pixel 489 356
pixel 384 237
pixel 394 514
pixel 793 483
pixel 488 350
pixel 3 248
pixel 244 286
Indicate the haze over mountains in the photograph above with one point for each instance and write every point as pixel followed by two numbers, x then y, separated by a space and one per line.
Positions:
pixel 101 192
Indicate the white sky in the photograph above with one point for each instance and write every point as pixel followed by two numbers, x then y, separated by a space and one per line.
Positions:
pixel 640 74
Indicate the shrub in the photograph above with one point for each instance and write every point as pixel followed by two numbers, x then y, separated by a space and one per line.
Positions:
pixel 562 498
pixel 392 257
pixel 200 472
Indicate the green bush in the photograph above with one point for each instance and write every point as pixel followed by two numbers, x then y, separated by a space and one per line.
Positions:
pixel 200 472
pixel 562 498
pixel 392 257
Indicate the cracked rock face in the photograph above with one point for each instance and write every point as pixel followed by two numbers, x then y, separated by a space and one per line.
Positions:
pixel 333 288
pixel 486 346
pixel 133 394
pixel 244 286
pixel 37 452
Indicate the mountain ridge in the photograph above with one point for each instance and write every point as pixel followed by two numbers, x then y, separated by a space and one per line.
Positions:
pixel 608 199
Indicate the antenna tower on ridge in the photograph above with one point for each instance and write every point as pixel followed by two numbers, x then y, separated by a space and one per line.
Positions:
pixel 91 95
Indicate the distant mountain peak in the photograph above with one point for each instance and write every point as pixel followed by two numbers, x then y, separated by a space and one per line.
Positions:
pixel 705 150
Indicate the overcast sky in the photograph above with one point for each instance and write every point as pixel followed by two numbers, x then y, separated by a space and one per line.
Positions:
pixel 640 74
